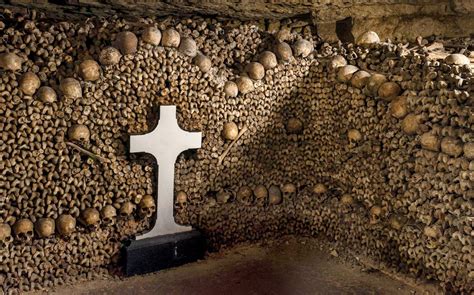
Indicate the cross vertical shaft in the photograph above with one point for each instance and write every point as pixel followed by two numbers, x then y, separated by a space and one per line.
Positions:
pixel 165 143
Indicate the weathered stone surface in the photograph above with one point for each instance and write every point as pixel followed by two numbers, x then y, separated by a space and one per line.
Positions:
pixel 401 19
pixel 410 27
pixel 327 31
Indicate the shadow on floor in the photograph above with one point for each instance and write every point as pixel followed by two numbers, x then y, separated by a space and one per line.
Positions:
pixel 292 267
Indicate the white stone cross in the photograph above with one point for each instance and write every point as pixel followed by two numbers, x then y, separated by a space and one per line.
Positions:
pixel 165 143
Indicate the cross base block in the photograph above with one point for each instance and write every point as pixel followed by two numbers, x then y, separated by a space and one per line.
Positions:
pixel 162 252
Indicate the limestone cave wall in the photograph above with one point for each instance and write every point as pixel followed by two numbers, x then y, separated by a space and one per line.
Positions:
pixel 370 144
pixel 395 19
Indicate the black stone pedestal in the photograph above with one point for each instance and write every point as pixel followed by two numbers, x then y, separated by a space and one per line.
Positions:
pixel 153 254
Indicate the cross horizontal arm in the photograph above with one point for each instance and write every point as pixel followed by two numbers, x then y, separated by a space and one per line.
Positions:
pixel 165 143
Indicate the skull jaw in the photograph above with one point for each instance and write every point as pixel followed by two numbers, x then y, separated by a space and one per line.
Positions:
pixel 93 227
pixel 107 222
pixel 25 237
pixel 6 242
pixel 261 202
pixel 146 212
pixel 181 205
pixel 288 196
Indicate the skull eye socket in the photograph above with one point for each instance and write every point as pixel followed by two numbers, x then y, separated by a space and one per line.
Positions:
pixel 179 203
pixel 148 211
pixel 93 226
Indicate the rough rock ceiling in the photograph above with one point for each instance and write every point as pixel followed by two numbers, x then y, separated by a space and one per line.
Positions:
pixel 394 19
pixel 323 10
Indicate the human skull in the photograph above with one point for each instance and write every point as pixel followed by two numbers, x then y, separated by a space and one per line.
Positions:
pixel 231 89
pixel 108 214
pixel 274 195
pixel 359 79
pixel 89 70
pixel 395 222
pixel 110 56
pixel 289 191
pixel 303 48
pixel 320 188
pixel 367 38
pixel 79 133
pixel 374 83
pixel 45 227
pixel 181 199
pixel 451 146
pixel 5 235
pixel 10 61
pixel 126 42
pixel 268 60
pixel 47 94
pixel 147 206
pixel 283 51
pixel 127 209
pixel 432 233
pixel 457 59
pixel 188 47
pixel 389 90
pixel 66 224
pixel 170 38
pixel 230 131
pixel 346 200
pixel 151 35
pixel 91 218
pixel 70 87
pixel 375 214
pixel 245 195
pixel 203 62
pixel 337 62
pixel 244 84
pixel 23 230
pixel 411 124
pixel 468 150
pixel 29 83
pixel 261 194
pixel 399 107
pixel 430 141
pixel 294 126
pixel 344 73
pixel 283 34
pixel 354 135
pixel 255 70
pixel 223 196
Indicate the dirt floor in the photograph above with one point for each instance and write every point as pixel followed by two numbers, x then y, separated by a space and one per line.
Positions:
pixel 288 266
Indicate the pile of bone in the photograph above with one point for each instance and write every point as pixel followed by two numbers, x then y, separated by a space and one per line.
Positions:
pixel 389 148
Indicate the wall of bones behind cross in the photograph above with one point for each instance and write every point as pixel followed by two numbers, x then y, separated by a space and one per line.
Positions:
pixel 371 145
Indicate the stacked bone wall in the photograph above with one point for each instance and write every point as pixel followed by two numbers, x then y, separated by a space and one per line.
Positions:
pixel 312 151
